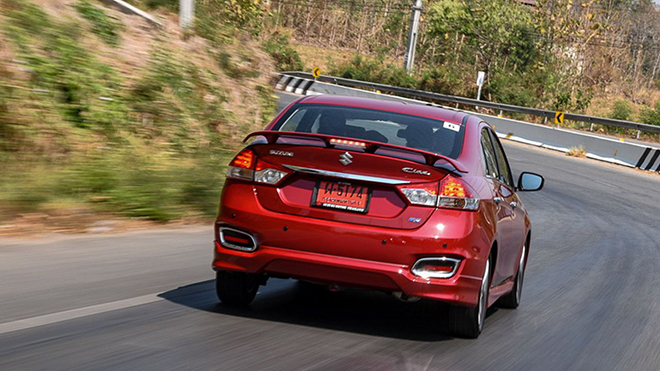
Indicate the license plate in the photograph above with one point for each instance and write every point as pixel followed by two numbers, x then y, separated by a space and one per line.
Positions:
pixel 342 196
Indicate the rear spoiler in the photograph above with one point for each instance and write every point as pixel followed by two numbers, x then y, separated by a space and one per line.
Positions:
pixel 371 146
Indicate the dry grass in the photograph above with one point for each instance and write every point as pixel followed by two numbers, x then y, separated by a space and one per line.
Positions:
pixel 577 152
pixel 316 56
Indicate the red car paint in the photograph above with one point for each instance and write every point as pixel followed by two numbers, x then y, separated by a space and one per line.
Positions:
pixel 376 250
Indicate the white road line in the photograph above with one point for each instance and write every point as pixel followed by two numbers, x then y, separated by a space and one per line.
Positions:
pixel 48 319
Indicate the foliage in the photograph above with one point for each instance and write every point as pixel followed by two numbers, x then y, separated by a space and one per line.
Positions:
pixel 375 70
pixel 621 110
pixel 220 20
pixel 442 80
pixel 651 116
pixel 133 182
pixel 237 66
pixel 286 58
pixel 497 31
pixel 102 25
pixel 76 131
pixel 557 54
pixel 69 78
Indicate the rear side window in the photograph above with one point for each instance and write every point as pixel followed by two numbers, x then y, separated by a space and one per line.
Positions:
pixel 292 122
pixel 488 155
pixel 502 163
pixel 409 131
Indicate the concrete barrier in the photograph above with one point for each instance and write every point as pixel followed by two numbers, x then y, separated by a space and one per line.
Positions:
pixel 596 146
pixel 634 155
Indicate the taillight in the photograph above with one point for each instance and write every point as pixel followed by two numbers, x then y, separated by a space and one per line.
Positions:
pixel 241 167
pixel 455 194
pixel 268 173
pixel 247 166
pixel 421 194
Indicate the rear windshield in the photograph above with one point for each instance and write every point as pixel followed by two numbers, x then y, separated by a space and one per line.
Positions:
pixel 422 133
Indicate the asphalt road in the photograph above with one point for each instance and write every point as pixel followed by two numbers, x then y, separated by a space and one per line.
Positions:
pixel 145 300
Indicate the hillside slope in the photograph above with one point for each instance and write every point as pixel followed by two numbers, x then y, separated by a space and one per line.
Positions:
pixel 103 115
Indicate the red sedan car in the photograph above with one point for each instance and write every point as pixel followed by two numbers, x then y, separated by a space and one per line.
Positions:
pixel 409 199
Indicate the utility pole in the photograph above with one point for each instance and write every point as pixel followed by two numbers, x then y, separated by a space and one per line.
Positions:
pixel 409 58
pixel 186 13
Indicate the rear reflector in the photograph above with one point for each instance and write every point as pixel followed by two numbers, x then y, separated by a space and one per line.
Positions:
pixel 442 267
pixel 239 173
pixel 237 240
pixel 421 194
pixel 268 173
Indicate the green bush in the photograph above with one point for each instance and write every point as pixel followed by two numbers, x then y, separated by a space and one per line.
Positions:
pixel 221 20
pixel 374 70
pixel 286 58
pixel 243 68
pixel 651 116
pixel 621 110
pixel 440 80
pixel 509 88
pixel 102 25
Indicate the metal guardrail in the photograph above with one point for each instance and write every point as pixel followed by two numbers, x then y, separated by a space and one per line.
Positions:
pixel 473 102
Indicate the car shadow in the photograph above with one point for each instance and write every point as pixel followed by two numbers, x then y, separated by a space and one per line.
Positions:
pixel 350 310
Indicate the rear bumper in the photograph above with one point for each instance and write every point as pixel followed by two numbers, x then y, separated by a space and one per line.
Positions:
pixel 460 289
pixel 354 255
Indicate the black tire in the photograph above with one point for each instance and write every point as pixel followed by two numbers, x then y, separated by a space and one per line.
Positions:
pixel 512 299
pixel 469 322
pixel 235 288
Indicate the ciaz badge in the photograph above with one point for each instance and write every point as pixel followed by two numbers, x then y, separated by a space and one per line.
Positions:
pixel 412 170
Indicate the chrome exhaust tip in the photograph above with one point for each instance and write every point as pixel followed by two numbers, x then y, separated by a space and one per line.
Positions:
pixel 236 239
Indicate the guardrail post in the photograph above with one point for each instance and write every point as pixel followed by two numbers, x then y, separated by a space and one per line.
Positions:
pixel 638 133
pixel 591 127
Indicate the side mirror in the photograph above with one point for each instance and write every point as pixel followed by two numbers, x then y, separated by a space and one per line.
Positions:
pixel 530 182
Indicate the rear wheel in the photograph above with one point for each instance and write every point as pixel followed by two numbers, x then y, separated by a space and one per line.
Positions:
pixel 236 288
pixel 469 322
pixel 512 299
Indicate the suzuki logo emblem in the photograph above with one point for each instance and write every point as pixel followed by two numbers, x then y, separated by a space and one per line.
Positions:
pixel 345 158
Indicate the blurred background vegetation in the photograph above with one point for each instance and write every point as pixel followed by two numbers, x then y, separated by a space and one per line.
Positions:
pixel 103 114
pixel 580 56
